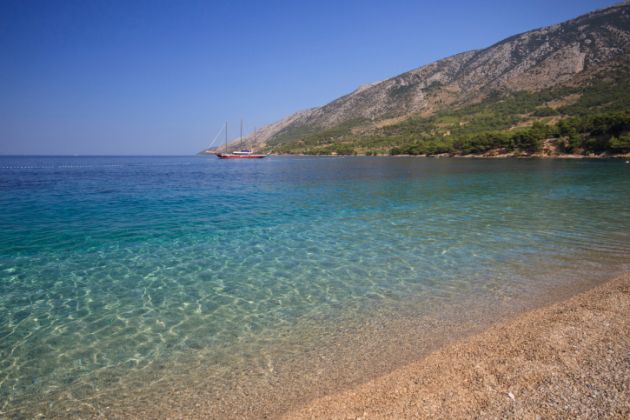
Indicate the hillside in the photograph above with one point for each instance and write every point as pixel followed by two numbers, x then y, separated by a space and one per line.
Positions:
pixel 559 89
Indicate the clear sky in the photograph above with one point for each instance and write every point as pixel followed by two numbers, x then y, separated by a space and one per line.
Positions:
pixel 161 76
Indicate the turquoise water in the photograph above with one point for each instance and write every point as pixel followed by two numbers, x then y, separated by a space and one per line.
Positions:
pixel 110 266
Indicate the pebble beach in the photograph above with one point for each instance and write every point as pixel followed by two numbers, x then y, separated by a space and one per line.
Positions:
pixel 567 360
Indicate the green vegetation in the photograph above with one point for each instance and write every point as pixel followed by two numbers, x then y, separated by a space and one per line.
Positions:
pixel 621 143
pixel 337 140
pixel 585 120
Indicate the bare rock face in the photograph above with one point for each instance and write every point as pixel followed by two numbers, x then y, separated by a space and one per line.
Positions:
pixel 534 60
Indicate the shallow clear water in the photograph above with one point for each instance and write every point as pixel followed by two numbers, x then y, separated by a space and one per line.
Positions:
pixel 115 265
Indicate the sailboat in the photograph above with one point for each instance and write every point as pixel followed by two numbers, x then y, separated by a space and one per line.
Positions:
pixel 240 154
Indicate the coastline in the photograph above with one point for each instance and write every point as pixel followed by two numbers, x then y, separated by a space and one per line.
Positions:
pixel 563 360
pixel 494 156
pixel 620 156
pixel 374 372
pixel 468 370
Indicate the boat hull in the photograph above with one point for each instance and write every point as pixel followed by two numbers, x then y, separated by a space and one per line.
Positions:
pixel 230 156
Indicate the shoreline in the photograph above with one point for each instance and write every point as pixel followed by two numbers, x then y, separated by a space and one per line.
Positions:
pixel 459 156
pixel 347 384
pixel 479 156
pixel 567 359
pixel 365 356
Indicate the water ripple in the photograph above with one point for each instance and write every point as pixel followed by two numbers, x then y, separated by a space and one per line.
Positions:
pixel 110 266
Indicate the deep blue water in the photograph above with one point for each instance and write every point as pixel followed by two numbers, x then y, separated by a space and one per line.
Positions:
pixel 113 264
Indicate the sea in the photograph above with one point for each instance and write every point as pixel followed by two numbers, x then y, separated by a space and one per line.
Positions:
pixel 255 285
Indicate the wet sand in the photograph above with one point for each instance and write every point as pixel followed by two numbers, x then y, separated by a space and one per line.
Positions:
pixel 567 360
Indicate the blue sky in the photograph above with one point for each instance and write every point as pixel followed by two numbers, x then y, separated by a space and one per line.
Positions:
pixel 161 76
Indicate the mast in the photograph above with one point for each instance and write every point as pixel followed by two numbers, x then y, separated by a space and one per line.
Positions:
pixel 241 134
pixel 226 137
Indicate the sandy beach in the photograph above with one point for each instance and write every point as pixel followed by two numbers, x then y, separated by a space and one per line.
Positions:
pixel 568 360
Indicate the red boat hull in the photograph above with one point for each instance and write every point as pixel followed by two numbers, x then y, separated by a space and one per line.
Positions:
pixel 230 156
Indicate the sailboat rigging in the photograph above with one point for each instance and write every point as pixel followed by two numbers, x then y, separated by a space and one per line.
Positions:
pixel 240 154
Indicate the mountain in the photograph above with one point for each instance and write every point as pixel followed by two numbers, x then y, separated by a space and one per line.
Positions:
pixel 533 78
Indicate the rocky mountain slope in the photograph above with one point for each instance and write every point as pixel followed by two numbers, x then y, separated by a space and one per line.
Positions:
pixel 566 54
